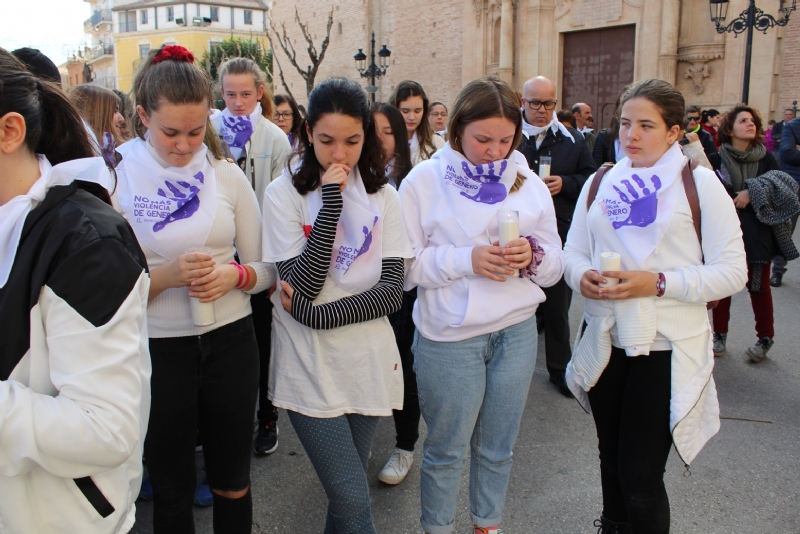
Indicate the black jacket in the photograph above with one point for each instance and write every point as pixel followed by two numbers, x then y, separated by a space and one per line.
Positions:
pixel 708 142
pixel 603 151
pixel 571 161
pixel 759 241
pixel 789 153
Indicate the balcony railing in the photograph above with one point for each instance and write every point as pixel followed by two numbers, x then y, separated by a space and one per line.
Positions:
pixel 99 51
pixel 102 16
pixel 109 82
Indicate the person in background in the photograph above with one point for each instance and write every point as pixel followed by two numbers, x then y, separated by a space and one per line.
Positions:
pixel 607 148
pixel 288 118
pixel 777 130
pixel 769 142
pixel 39 64
pixel 693 125
pixel 335 231
pixel 710 122
pixel 438 118
pixel 475 346
pixel 74 362
pixel 409 97
pixel 571 166
pixel 567 118
pixel 124 110
pixel 99 107
pixel 742 160
pixel 265 150
pixel 790 164
pixel 391 129
pixel 205 368
pixel 643 365
pixel 585 122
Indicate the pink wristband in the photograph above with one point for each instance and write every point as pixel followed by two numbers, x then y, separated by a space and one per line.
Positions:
pixel 241 273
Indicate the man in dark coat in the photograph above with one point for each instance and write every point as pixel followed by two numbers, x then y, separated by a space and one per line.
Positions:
pixel 694 125
pixel 790 164
pixel 571 166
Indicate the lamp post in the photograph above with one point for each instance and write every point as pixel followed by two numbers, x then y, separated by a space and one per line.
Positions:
pixel 373 71
pixel 751 18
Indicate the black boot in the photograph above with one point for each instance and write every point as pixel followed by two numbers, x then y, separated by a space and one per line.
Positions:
pixel 606 526
pixel 776 280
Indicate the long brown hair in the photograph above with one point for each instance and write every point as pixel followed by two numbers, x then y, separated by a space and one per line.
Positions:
pixel 481 99
pixel 725 132
pixel 405 90
pixel 97 106
pixel 243 65
pixel 175 81
pixel 402 153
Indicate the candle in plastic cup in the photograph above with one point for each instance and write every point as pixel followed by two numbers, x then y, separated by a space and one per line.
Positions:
pixel 610 261
pixel 544 167
pixel 508 227
pixel 202 312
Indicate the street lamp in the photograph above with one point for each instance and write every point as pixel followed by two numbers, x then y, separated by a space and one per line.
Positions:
pixel 373 71
pixel 751 18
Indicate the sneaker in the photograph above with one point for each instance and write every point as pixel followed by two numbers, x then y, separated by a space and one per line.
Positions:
pixel 487 530
pixel 719 344
pixel 396 469
pixel 146 491
pixel 758 352
pixel 266 441
pixel 202 495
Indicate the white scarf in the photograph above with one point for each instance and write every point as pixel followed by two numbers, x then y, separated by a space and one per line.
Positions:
pixel 413 145
pixel 170 208
pixel 532 131
pixel 357 256
pixel 14 212
pixel 640 202
pixel 586 130
pixel 236 131
pixel 476 192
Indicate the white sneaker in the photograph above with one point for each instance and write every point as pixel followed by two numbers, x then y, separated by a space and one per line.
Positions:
pixel 396 469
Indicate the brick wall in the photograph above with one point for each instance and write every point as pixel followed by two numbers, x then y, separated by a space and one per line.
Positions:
pixel 789 85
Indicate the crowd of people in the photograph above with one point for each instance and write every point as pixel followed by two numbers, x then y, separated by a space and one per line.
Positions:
pixel 169 270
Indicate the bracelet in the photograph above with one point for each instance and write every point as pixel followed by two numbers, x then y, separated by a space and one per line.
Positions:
pixel 241 273
pixel 661 285
pixel 247 279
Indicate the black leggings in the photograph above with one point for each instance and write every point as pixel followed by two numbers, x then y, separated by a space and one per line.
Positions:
pixel 262 321
pixel 630 405
pixel 406 421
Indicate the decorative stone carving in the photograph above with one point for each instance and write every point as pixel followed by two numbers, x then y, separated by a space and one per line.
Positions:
pixel 595 11
pixel 697 72
pixel 562 8
pixel 480 7
pixel 701 52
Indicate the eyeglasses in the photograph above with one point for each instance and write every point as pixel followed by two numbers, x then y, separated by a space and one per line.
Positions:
pixel 286 115
pixel 536 104
pixel 693 118
pixel 439 114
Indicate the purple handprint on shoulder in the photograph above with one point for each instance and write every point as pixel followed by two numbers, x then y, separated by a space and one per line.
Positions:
pixel 491 190
pixel 238 130
pixel 637 207
pixel 188 202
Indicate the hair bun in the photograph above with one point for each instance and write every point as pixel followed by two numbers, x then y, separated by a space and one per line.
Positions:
pixel 176 52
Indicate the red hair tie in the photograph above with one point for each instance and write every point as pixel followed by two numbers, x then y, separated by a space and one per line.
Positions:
pixel 178 53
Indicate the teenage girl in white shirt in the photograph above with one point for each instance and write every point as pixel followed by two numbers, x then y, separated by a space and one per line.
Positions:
pixel 410 98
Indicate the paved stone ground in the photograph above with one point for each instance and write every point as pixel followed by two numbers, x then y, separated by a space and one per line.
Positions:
pixel 745 480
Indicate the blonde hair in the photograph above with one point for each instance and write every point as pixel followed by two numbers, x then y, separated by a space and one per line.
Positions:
pixel 175 81
pixel 481 99
pixel 243 65
pixel 97 107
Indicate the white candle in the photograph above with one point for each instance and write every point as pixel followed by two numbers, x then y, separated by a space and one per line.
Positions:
pixel 202 312
pixel 544 167
pixel 610 261
pixel 508 227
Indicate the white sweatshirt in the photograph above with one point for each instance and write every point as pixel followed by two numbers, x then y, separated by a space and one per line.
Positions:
pixel 453 303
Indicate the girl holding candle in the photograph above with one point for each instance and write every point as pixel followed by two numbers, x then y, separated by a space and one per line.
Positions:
pixel 476 325
pixel 643 366
pixel 178 195
pixel 409 97
pixel 336 233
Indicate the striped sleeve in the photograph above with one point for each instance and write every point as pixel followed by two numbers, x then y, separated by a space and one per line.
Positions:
pixel 307 272
pixel 384 298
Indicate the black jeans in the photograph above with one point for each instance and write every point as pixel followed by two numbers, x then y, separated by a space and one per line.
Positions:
pixel 262 321
pixel 555 311
pixel 207 383
pixel 406 421
pixel 630 405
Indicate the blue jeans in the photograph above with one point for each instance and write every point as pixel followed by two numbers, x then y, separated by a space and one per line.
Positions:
pixel 472 394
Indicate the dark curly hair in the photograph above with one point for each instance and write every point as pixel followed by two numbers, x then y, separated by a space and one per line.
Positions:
pixel 725 132
pixel 344 97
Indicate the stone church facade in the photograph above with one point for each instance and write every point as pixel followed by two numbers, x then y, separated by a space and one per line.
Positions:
pixel 590 48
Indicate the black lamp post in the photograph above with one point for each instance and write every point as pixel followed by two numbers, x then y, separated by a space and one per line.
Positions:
pixel 373 71
pixel 751 18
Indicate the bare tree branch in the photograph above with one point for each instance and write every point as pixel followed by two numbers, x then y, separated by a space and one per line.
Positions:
pixel 308 74
pixel 280 69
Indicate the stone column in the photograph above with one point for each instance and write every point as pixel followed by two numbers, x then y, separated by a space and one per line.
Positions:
pixel 668 49
pixel 506 66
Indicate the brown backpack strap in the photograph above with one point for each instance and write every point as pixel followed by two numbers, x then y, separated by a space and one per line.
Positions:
pixel 691 195
pixel 595 185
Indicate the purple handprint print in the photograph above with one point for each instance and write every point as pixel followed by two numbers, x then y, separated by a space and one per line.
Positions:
pixel 188 203
pixel 367 242
pixel 491 190
pixel 637 207
pixel 237 130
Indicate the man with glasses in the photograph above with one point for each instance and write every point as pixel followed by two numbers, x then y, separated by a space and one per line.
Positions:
pixel 694 125
pixel 571 164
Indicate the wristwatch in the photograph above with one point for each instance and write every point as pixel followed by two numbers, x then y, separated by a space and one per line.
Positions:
pixel 661 285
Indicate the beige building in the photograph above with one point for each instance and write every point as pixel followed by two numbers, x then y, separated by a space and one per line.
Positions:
pixel 591 48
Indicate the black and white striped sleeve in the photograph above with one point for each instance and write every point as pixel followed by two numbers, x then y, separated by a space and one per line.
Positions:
pixel 382 299
pixel 306 273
